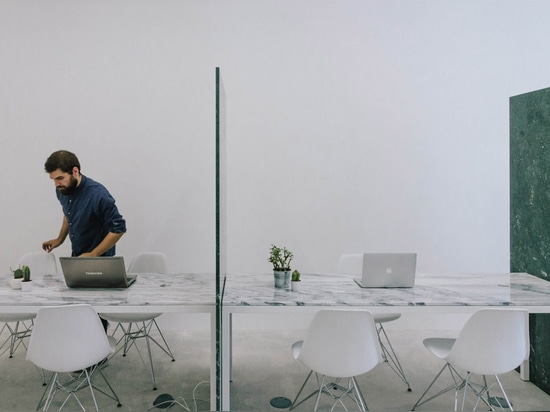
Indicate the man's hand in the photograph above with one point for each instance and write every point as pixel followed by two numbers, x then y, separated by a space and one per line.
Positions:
pixel 50 245
pixel 87 254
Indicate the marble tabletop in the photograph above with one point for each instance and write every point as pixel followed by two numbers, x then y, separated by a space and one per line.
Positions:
pixel 150 292
pixel 430 291
pixel 176 292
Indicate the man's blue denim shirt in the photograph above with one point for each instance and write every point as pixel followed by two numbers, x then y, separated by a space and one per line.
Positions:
pixel 91 213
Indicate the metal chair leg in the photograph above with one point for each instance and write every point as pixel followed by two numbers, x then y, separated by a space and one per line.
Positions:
pixel 389 356
pixel 15 337
pixel 294 404
pixel 328 387
pixel 484 395
pixel 457 379
pixel 73 384
pixel 143 330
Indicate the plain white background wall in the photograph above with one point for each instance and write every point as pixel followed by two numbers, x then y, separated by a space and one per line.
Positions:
pixel 351 125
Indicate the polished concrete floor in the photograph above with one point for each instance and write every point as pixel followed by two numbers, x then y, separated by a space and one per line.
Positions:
pixel 263 370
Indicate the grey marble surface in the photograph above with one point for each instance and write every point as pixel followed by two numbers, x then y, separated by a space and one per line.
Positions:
pixel 180 290
pixel 430 290
pixel 162 292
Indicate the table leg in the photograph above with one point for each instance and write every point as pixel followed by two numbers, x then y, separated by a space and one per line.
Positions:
pixel 227 362
pixel 213 361
pixel 524 370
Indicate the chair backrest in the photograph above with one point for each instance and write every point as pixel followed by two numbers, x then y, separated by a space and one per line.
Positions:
pixel 40 263
pixel 67 338
pixel 493 341
pixel 148 262
pixel 350 264
pixel 341 343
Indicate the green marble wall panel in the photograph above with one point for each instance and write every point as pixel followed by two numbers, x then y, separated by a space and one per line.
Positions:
pixel 530 210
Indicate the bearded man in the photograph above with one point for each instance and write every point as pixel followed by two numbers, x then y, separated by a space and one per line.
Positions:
pixel 90 216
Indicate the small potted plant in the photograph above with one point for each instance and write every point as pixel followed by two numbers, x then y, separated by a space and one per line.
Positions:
pixel 17 278
pixel 280 258
pixel 295 281
pixel 26 284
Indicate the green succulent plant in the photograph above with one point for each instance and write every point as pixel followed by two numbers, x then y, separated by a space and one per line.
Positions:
pixel 26 273
pixel 295 276
pixel 280 258
pixel 22 272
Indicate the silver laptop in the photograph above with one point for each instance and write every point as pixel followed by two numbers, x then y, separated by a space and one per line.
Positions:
pixel 95 272
pixel 388 270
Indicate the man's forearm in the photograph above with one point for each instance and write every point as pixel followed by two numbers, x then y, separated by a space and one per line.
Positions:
pixel 64 230
pixel 107 243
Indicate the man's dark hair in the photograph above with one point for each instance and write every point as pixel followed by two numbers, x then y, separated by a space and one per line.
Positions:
pixel 63 160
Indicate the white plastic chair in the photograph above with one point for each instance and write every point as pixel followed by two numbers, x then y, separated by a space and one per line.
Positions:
pixel 19 325
pixel 340 344
pixel 492 342
pixel 139 325
pixel 352 264
pixel 41 263
pixel 66 339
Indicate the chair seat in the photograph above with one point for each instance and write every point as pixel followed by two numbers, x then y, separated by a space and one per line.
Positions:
pixel 440 347
pixel 129 317
pixel 16 317
pixel 296 348
pixel 112 343
pixel 385 317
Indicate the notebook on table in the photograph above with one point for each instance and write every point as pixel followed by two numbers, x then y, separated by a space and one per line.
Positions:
pixel 95 272
pixel 388 270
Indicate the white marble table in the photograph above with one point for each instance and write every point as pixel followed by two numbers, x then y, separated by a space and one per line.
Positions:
pixel 443 293
pixel 430 293
pixel 150 293
pixel 189 293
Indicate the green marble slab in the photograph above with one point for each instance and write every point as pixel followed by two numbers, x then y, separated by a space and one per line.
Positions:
pixel 530 210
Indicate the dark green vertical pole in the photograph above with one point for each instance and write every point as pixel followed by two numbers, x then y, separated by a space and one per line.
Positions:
pixel 221 248
pixel 218 250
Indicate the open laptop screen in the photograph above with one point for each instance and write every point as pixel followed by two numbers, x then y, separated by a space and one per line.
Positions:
pixel 388 270
pixel 95 272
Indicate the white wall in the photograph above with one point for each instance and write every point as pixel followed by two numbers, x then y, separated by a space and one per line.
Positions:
pixel 351 125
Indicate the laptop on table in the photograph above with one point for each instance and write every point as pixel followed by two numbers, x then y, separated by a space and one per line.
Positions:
pixel 95 272
pixel 388 270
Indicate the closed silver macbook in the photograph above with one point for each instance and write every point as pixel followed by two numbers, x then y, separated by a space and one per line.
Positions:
pixel 388 270
pixel 95 272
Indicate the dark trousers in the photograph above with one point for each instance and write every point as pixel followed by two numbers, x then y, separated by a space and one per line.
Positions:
pixel 105 323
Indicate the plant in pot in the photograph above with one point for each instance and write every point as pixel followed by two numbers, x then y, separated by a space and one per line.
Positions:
pixel 26 284
pixel 17 278
pixel 295 280
pixel 280 258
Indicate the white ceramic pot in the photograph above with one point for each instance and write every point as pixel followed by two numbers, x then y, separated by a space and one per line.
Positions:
pixel 296 285
pixel 16 283
pixel 26 286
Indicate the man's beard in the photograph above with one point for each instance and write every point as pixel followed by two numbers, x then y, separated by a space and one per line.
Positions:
pixel 67 190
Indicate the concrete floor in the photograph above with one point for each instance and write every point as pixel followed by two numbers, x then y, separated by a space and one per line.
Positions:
pixel 263 369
